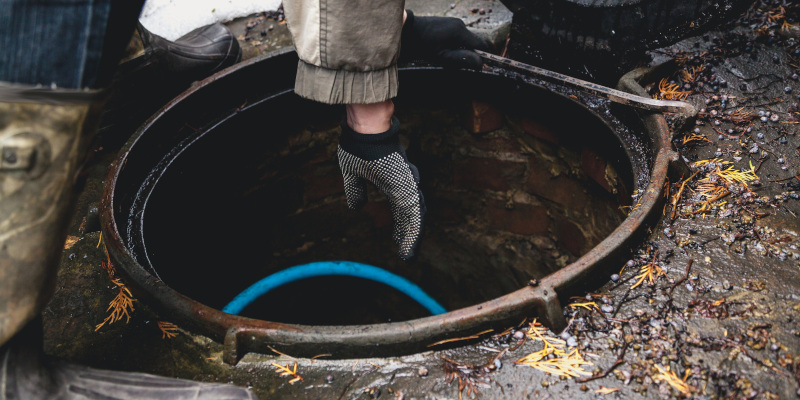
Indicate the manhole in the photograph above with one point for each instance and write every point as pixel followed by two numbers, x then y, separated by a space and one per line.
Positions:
pixel 237 180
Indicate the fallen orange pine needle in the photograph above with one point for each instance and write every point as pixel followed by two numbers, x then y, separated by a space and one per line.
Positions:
pixel 605 390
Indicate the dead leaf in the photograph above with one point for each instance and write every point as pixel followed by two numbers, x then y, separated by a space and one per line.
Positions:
pixel 71 240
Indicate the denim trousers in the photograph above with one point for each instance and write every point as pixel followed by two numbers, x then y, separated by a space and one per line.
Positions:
pixel 72 44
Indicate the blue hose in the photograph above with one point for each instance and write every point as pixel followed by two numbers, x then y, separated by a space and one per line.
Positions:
pixel 326 268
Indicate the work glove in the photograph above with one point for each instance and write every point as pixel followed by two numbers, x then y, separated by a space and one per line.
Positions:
pixel 442 40
pixel 381 160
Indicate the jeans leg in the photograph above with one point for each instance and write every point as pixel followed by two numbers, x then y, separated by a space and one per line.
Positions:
pixel 67 43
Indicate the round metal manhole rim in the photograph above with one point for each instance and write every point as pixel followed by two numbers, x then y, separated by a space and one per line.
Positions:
pixel 241 334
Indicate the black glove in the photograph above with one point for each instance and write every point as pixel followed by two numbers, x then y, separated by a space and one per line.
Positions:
pixel 381 160
pixel 442 40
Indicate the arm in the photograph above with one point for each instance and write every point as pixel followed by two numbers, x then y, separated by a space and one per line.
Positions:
pixel 363 76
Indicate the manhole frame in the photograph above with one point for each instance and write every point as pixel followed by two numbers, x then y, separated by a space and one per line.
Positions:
pixel 241 335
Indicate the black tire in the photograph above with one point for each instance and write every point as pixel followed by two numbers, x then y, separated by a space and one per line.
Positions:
pixel 620 26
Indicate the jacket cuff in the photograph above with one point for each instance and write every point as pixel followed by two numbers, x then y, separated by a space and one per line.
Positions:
pixel 337 86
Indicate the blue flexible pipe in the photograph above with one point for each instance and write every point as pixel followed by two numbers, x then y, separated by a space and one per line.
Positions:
pixel 327 268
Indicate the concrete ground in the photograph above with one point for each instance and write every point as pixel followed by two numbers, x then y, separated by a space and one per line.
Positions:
pixel 721 323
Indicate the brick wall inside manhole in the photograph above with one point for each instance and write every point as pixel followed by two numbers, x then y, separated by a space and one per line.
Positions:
pixel 257 191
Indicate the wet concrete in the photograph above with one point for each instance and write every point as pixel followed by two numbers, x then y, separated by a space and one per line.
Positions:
pixel 731 323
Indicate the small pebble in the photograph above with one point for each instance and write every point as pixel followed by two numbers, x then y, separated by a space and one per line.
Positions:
pixel 422 371
pixel 607 308
pixel 329 378
pixel 630 264
pixel 727 285
pixel 783 140
pixel 519 335
pixel 572 342
pixel 795 77
pixel 615 277
pixel 764 119
pixel 498 364
pixel 787 89
pixel 774 347
pixel 774 117
pixel 781 160
pixel 760 135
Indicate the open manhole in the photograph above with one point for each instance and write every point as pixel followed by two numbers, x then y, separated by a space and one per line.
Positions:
pixel 237 180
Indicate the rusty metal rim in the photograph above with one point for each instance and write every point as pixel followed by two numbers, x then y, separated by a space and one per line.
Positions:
pixel 241 335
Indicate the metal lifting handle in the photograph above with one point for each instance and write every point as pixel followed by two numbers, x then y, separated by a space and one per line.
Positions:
pixel 614 95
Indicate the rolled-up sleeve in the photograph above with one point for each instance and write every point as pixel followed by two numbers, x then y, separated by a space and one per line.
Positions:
pixel 348 48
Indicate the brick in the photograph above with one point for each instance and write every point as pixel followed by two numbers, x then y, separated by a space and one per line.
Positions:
pixel 483 118
pixel 538 130
pixel 570 237
pixel 488 174
pixel 564 190
pixel 594 167
pixel 522 219
pixel 498 144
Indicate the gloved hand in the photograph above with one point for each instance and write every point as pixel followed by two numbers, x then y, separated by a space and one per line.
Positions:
pixel 380 159
pixel 442 40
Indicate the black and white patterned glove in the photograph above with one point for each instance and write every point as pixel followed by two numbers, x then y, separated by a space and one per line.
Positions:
pixel 442 40
pixel 381 160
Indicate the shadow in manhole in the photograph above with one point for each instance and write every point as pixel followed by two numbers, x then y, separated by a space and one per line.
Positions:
pixel 258 191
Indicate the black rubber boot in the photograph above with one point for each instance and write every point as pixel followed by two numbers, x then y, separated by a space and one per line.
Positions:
pixel 194 55
pixel 27 374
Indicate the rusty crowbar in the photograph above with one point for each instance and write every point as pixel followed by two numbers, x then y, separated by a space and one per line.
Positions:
pixel 617 96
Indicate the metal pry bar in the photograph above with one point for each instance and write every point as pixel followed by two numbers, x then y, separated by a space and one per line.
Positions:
pixel 614 95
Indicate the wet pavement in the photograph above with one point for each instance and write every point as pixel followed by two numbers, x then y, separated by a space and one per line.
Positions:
pixel 721 322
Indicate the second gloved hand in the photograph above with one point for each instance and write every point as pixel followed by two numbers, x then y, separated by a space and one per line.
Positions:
pixel 380 159
pixel 443 40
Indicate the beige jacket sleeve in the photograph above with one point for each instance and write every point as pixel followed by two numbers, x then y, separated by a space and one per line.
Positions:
pixel 348 48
